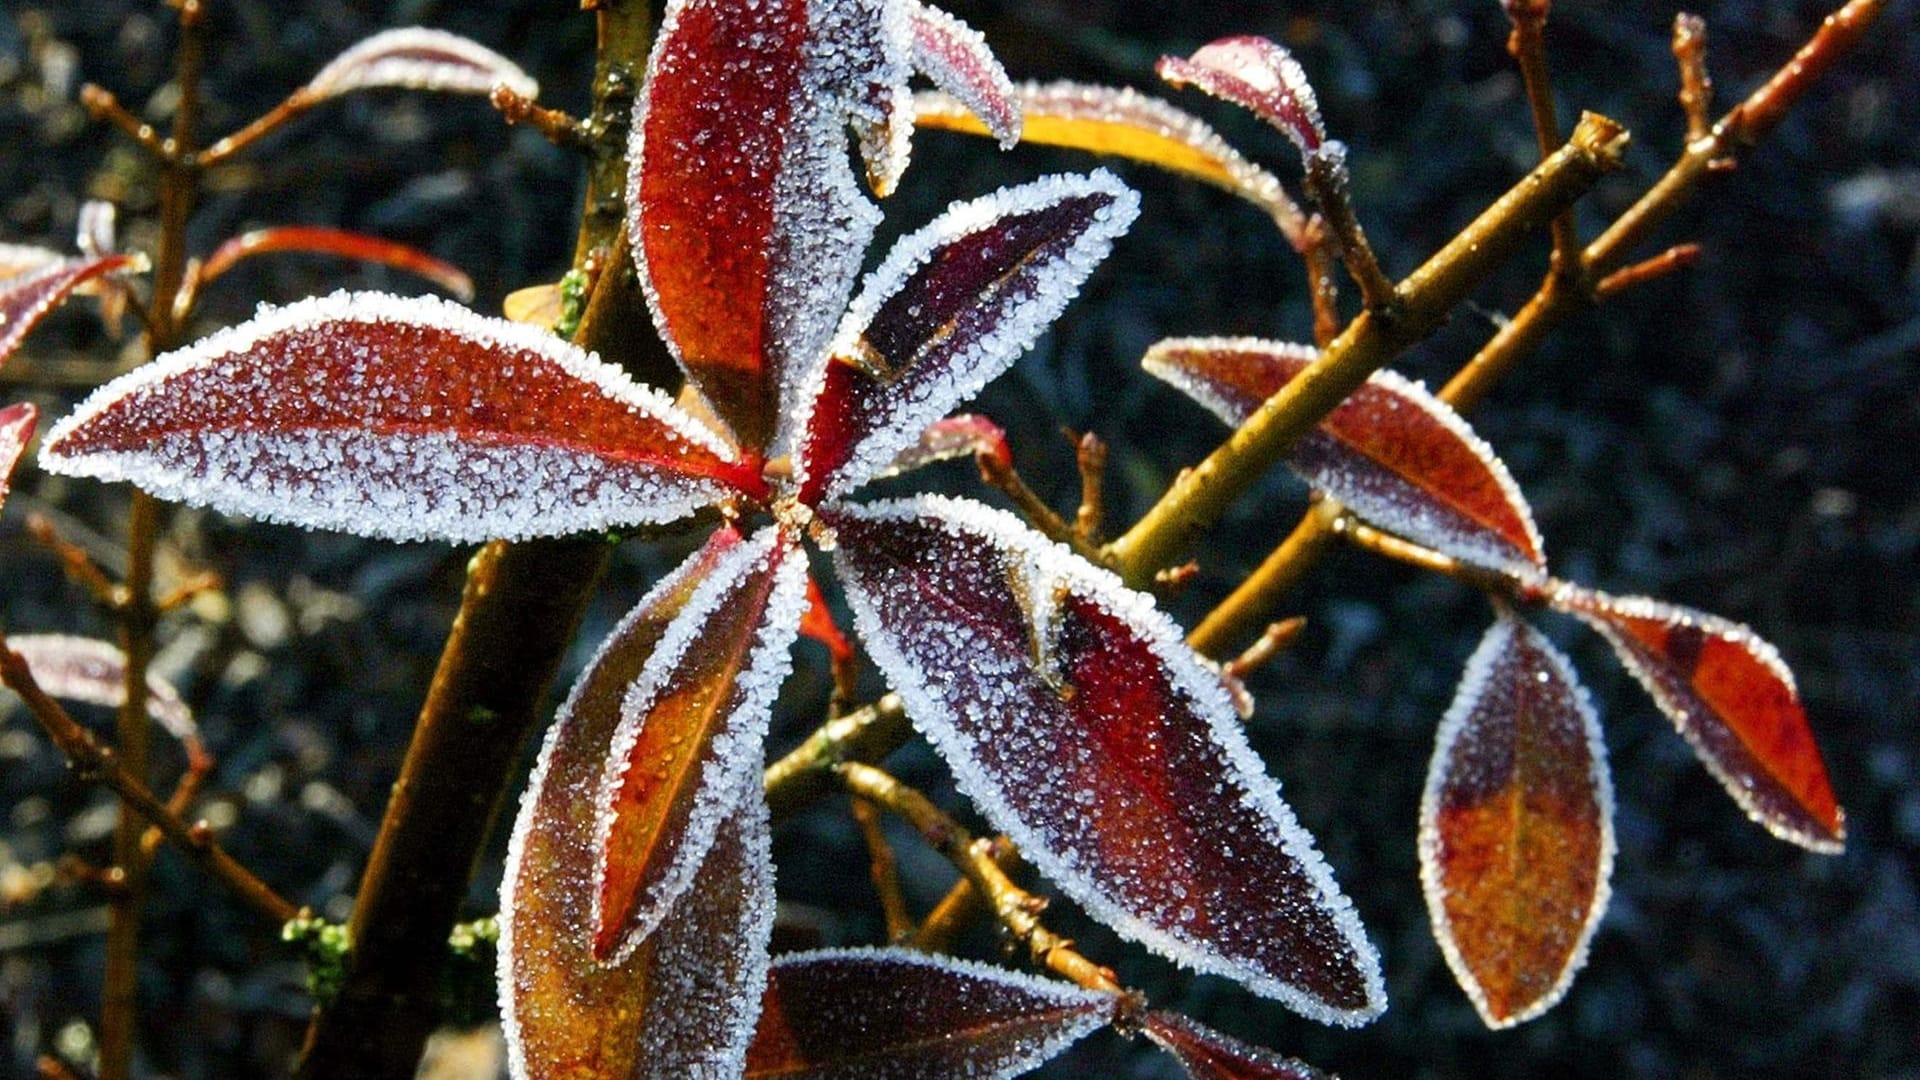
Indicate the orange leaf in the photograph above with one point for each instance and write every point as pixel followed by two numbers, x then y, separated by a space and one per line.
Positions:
pixel 1516 830
pixel 315 240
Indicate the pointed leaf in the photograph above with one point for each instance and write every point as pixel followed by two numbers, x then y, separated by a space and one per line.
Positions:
pixel 406 419
pixel 1126 123
pixel 893 1013
pixel 747 223
pixel 1257 75
pixel 95 673
pixel 1078 721
pixel 951 307
pixel 688 996
pixel 1516 826
pixel 16 431
pixel 966 435
pixel 1733 699
pixel 27 297
pixel 1392 452
pixel 955 56
pixel 1207 1054
pixel 19 259
pixel 690 734
pixel 348 245
pixel 417 58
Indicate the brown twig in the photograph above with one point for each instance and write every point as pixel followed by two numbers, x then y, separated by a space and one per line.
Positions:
pixel 1002 476
pixel 1674 258
pixel 1527 44
pixel 102 104
pixel 1328 185
pixel 74 561
pixel 1323 285
pixel 296 105
pixel 553 125
pixel 1277 638
pixel 1696 85
pixel 883 870
pixel 1090 454
pixel 961 906
pixel 806 772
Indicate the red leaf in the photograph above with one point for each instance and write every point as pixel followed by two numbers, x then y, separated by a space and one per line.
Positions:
pixel 26 298
pixel 1207 1054
pixel 951 307
pixel 688 995
pixel 818 625
pixel 1078 721
pixel 746 220
pixel 95 673
pixel 966 435
pixel 348 245
pixel 851 1013
pixel 955 56
pixel 1516 827
pixel 16 431
pixel 1733 698
pixel 1392 452
pixel 690 736
pixel 407 419
pixel 416 58
pixel 1258 75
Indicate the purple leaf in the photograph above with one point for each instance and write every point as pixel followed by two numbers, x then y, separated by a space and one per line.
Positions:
pixel 949 309
pixel 1207 1054
pixel 1258 75
pixel 955 56
pixel 687 997
pixel 847 1014
pixel 407 419
pixel 1078 721
pixel 1516 826
pixel 416 58
pixel 690 734
pixel 1392 452
pixel 27 297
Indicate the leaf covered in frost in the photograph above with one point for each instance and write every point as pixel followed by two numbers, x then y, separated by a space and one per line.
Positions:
pixel 955 56
pixel 316 240
pixel 747 223
pixel 16 431
pixel 95 673
pixel 1078 721
pixel 952 306
pixel 851 1013
pixel 1125 123
pixel 966 435
pixel 27 297
pixel 1516 826
pixel 418 58
pixel 1207 1054
pixel 1392 452
pixel 1734 700
pixel 683 1003
pixel 690 735
pixel 1257 75
pixel 399 418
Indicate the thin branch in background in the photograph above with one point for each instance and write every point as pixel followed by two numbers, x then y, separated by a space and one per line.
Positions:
pixel 1277 639
pixel 1674 258
pixel 75 562
pixel 1330 186
pixel 1090 454
pixel 102 105
pixel 962 906
pixel 555 126
pixel 883 870
pixel 1527 44
pixel 1696 85
pixel 1323 284
pixel 1003 477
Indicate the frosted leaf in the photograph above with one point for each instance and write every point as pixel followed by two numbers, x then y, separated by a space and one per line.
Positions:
pixel 1258 75
pixel 690 735
pixel 1516 826
pixel 1733 699
pixel 417 58
pixel 681 1005
pixel 952 306
pixel 1078 721
pixel 966 435
pixel 1393 453
pixel 955 56
pixel 399 418
pixel 20 259
pixel 27 297
pixel 898 1014
pixel 16 431
pixel 748 225
pixel 1207 1054
pixel 1125 123
pixel 95 673
pixel 314 240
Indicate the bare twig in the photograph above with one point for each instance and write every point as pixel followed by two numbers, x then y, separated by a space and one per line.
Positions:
pixel 1527 44
pixel 1674 258
pixel 883 870
pixel 1328 185
pixel 1090 453
pixel 1696 85
pixel 553 125
pixel 962 905
pixel 75 561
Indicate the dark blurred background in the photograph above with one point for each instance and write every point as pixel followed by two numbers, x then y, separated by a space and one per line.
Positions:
pixel 1739 437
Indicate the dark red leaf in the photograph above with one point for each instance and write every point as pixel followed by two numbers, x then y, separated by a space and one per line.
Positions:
pixel 1516 827
pixel 26 298
pixel 314 240
pixel 1254 74
pixel 957 59
pixel 1392 452
pixel 16 431
pixel 818 625
pixel 690 735
pixel 951 307
pixel 407 419
pixel 966 435
pixel 746 220
pixel 1733 698
pixel 417 58
pixel 1078 721
pixel 1207 1054
pixel 688 995
pixel 846 1014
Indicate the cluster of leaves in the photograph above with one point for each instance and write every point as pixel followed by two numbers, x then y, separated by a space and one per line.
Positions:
pixel 638 905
